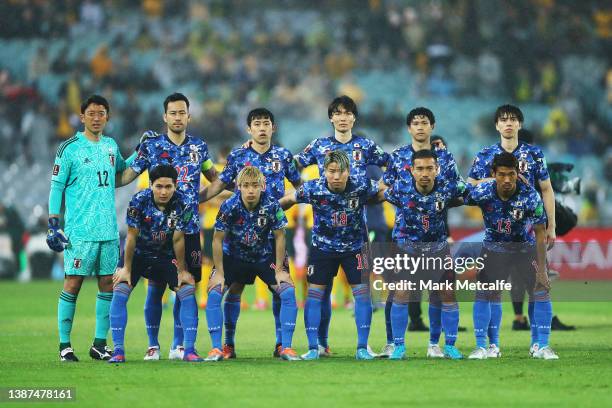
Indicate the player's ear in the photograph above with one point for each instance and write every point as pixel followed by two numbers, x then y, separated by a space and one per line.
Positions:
pixel 165 117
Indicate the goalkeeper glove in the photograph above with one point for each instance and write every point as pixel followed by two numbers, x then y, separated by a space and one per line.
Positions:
pixel 149 134
pixel 56 239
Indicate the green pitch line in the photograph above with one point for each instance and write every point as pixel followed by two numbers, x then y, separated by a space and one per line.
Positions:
pixel 28 357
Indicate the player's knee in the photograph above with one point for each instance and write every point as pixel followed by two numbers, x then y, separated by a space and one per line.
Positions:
pixel 105 283
pixel 236 288
pixel 400 296
pixel 72 284
pixel 447 296
pixel 361 292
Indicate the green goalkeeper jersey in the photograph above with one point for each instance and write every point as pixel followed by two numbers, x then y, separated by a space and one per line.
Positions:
pixel 87 170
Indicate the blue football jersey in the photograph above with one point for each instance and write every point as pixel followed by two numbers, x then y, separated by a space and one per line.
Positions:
pixel 247 232
pixel 338 217
pixel 532 164
pixel 423 216
pixel 507 221
pixel 361 152
pixel 276 164
pixel 155 227
pixel 189 159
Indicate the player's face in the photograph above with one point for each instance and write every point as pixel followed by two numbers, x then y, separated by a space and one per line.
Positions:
pixel 177 116
pixel 163 190
pixel 336 177
pixel 424 172
pixel 508 126
pixel 94 118
pixel 250 190
pixel 420 128
pixel 342 120
pixel 506 179
pixel 261 130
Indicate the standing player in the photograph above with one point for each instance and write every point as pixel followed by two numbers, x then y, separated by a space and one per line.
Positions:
pixel 421 123
pixel 276 163
pixel 243 250
pixel 510 209
pixel 189 156
pixel 84 170
pixel 337 240
pixel 423 207
pixel 362 152
pixel 532 169
pixel 155 249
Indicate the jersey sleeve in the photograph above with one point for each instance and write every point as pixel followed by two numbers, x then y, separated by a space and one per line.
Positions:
pixel 393 197
pixel 142 161
pixel 541 166
pixel 134 212
pixel 451 172
pixel 120 164
pixel 377 156
pixel 222 220
pixel 293 175
pixel 474 195
pixel 538 213
pixel 230 171
pixel 280 220
pixel 207 162
pixel 307 156
pixel 61 166
pixel 372 189
pixel 480 167
pixel 302 194
pixel 390 174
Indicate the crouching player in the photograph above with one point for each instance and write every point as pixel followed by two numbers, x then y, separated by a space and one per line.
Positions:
pixel 242 250
pixel 337 240
pixel 422 208
pixel 509 209
pixel 154 249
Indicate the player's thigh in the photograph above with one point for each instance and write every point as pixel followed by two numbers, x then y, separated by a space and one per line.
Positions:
pixel 108 257
pixel 236 271
pixel 496 266
pixel 525 270
pixel 355 269
pixel 163 271
pixel 266 272
pixel 322 267
pixel 193 255
pixel 81 258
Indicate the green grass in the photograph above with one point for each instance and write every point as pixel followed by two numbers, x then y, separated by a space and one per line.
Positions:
pixel 28 357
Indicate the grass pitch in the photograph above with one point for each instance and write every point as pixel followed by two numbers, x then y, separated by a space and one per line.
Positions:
pixel 28 358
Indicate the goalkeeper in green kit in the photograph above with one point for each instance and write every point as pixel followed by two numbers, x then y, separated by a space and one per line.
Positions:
pixel 84 174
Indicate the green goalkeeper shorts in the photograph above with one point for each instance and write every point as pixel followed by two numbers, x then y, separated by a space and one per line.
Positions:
pixel 89 258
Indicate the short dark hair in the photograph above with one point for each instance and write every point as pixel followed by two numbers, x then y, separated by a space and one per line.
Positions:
pixel 420 111
pixel 424 154
pixel 508 110
pixel 435 138
pixel 505 159
pixel 173 98
pixel 259 113
pixel 96 100
pixel 163 170
pixel 346 102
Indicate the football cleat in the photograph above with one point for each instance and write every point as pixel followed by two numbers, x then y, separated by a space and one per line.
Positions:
pixel 277 350
pixel 214 355
pixel 67 355
pixel 193 357
pixel 362 354
pixel 311 355
pixel 289 354
pixel 117 358
pixel 100 352
pixel 434 351
pixel 325 351
pixel 177 353
pixel 533 349
pixel 452 352
pixel 228 352
pixel 479 354
pixel 493 351
pixel 372 353
pixel 546 353
pixel 399 353
pixel 386 351
pixel 152 354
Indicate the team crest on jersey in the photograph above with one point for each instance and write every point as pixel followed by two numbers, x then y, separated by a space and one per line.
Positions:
pixel 194 155
pixel 262 220
pixel 276 166
pixel 439 205
pixel 518 214
pixel 353 203
pixel 133 212
pixel 111 156
pixel 523 165
pixel 357 155
pixel 56 169
pixel 310 270
pixel 76 264
pixel 172 219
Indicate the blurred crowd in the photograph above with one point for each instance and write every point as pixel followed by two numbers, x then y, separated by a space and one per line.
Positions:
pixel 294 56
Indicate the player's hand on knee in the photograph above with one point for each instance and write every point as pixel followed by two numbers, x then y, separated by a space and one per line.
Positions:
pixel 215 279
pixel 185 278
pixel 56 239
pixel 122 275
pixel 282 275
